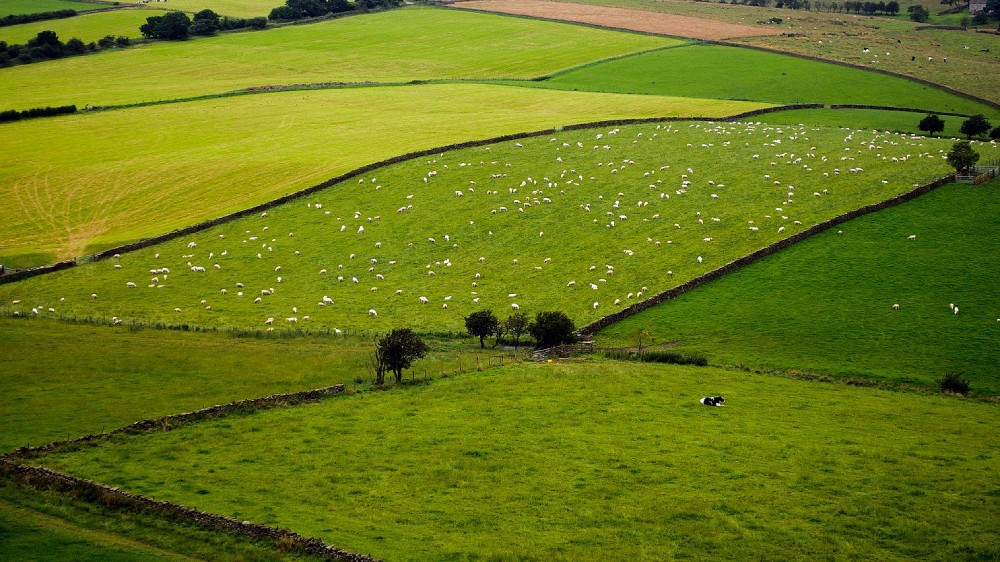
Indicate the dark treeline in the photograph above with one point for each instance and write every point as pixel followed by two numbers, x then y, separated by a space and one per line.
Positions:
pixel 301 9
pixel 849 6
pixel 17 19
pixel 46 46
pixel 13 115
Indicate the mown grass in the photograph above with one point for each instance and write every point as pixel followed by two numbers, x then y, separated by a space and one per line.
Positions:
pixel 86 27
pixel 592 461
pixel 397 46
pixel 558 226
pixel 41 526
pixel 68 380
pixel 10 7
pixel 87 181
pixel 712 71
pixel 825 305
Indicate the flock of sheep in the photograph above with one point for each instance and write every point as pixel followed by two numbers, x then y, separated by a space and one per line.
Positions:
pixel 586 222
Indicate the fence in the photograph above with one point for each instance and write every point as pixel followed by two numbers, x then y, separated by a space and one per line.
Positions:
pixel 981 173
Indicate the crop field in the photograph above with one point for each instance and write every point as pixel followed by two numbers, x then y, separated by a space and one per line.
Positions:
pixel 383 47
pixel 594 461
pixel 9 7
pixel 825 305
pixel 86 27
pixel 712 71
pixel 87 181
pixel 585 221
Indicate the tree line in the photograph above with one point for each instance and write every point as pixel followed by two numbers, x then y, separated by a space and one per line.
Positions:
pixel 301 9
pixel 850 6
pixel 177 25
pixel 17 19
pixel 47 45
pixel 14 115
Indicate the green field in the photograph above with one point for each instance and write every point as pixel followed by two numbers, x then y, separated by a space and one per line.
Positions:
pixel 592 461
pixel 866 119
pixel 617 219
pixel 8 7
pixel 88 181
pixel 397 46
pixel 825 305
pixel 712 71
pixel 232 8
pixel 86 27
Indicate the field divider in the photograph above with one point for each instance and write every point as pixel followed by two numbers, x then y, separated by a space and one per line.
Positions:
pixel 756 255
pixel 256 209
pixel 42 478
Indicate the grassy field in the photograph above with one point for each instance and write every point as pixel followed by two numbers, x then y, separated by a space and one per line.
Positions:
pixel 86 27
pixel 825 305
pixel 619 212
pixel 67 380
pixel 88 181
pixel 844 36
pixel 233 8
pixel 711 71
pixel 397 46
pixel 589 461
pixel 866 118
pixel 9 7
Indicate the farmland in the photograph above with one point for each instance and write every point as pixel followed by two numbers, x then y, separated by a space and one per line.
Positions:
pixel 37 6
pixel 593 464
pixel 834 443
pixel 86 27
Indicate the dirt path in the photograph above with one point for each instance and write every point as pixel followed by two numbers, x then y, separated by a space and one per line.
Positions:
pixel 621 18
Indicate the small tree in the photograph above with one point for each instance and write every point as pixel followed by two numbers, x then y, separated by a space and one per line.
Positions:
pixel 205 22
pixel 931 124
pixel 975 126
pixel 953 382
pixel 918 13
pixel 396 351
pixel 172 25
pixel 962 156
pixel 517 325
pixel 481 324
pixel 551 329
pixel 995 133
pixel 76 46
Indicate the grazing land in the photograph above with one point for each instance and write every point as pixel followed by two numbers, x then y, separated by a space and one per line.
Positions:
pixel 232 8
pixel 88 181
pixel 640 209
pixel 383 47
pixel 866 119
pixel 86 27
pixel 713 71
pixel 825 305
pixel 12 7
pixel 591 461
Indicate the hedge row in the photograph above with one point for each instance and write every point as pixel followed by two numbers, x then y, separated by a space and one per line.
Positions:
pixel 746 260
pixel 14 115
pixel 18 19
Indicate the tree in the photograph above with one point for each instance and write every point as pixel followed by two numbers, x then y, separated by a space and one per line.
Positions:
pixel 516 325
pixel 892 8
pixel 995 133
pixel 76 46
pixel 172 25
pixel 481 324
pixel 551 329
pixel 205 22
pixel 396 351
pixel 918 13
pixel 962 156
pixel 975 126
pixel 931 124
pixel 992 8
pixel 284 13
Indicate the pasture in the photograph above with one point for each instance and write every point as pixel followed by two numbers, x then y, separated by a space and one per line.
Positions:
pixel 720 72
pixel 903 121
pixel 586 222
pixel 85 182
pixel 232 8
pixel 10 7
pixel 86 27
pixel 591 461
pixel 397 46
pixel 825 305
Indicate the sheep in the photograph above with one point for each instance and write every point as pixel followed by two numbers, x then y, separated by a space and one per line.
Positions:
pixel 292 320
pixel 256 300
pixel 327 300
pixel 895 307
pixel 912 237
pixel 515 306
pixel 322 272
pixel 94 295
pixel 372 312
pixel 374 289
pixel 177 310
pixel 424 300
pixel 399 291
pixel 130 285
pixel 571 284
pixel 596 304
pixel 956 310
pixel 445 305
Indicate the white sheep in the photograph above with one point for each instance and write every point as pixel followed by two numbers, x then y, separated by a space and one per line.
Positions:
pixel 371 312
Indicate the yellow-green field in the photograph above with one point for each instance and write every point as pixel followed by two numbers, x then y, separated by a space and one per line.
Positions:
pixel 397 46
pixel 86 27
pixel 100 179
pixel 8 7
pixel 234 8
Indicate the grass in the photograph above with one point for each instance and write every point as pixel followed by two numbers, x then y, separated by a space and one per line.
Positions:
pixel 87 182
pixel 565 217
pixel 588 461
pixel 86 27
pixel 67 380
pixel 712 71
pixel 38 6
pixel 397 46
pixel 866 118
pixel 825 305
pixel 232 8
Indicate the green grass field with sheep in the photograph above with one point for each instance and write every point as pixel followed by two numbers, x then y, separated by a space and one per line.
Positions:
pixel 835 440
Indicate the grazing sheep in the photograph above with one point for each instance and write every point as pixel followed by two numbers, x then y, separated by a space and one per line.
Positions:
pixel 371 312
pixel 596 304
pixel 130 285
pixel 895 307
pixel 292 320
pixel 515 306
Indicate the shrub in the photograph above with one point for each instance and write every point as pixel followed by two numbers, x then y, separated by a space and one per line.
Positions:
pixel 953 382
pixel 550 329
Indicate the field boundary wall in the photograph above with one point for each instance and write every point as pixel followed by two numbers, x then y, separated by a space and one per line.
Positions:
pixel 47 479
pixel 887 108
pixel 750 258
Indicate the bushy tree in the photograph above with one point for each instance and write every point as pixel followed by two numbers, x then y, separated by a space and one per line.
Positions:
pixel 995 133
pixel 76 46
pixel 550 329
pixel 284 13
pixel 516 325
pixel 205 22
pixel 992 8
pixel 918 13
pixel 396 351
pixel 172 25
pixel 481 324
pixel 975 126
pixel 931 124
pixel 962 156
